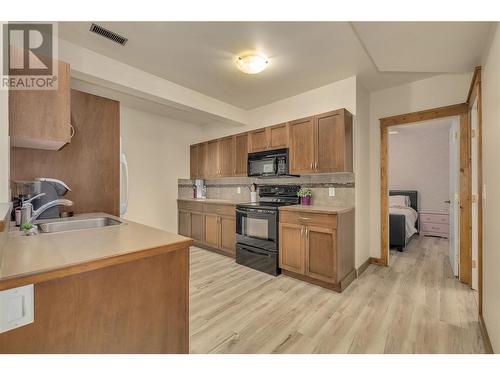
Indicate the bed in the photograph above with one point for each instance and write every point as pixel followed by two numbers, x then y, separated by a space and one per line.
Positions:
pixel 403 217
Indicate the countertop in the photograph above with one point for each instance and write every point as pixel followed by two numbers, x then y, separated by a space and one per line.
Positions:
pixel 316 209
pixel 209 200
pixel 26 260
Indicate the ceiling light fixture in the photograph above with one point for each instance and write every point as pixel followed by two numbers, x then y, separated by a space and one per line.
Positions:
pixel 252 63
pixel 392 132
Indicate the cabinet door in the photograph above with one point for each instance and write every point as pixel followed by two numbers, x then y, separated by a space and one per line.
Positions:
pixel 258 140
pixel 196 226
pixel 212 162
pixel 331 143
pixel 291 252
pixel 278 135
pixel 227 233
pixel 184 223
pixel 41 119
pixel 202 160
pixel 320 253
pixel 193 161
pixel 212 230
pixel 226 157
pixel 241 155
pixel 302 146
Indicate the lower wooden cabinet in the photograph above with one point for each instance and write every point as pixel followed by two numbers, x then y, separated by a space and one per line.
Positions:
pixel 318 247
pixel 211 225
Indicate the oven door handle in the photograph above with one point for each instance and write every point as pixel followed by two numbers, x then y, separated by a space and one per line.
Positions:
pixel 254 251
pixel 254 213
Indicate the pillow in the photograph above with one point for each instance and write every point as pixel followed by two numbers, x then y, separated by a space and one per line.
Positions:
pixel 399 201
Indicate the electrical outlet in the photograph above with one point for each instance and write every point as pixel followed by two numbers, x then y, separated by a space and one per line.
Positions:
pixel 238 190
pixel 331 192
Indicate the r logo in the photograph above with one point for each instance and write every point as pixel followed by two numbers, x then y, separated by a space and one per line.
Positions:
pixel 30 49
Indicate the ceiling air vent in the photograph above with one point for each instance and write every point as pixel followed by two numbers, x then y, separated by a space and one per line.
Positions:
pixel 108 34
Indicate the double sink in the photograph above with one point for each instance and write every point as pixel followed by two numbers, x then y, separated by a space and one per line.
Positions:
pixel 76 223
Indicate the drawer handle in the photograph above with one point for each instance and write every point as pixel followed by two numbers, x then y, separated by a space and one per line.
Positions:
pixel 304 218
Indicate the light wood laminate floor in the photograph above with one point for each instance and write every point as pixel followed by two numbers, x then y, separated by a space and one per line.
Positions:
pixel 414 306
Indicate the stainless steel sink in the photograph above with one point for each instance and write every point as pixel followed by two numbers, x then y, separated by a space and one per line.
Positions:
pixel 76 224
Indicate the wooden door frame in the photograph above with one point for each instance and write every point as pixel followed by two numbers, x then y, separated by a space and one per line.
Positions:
pixel 460 110
pixel 475 93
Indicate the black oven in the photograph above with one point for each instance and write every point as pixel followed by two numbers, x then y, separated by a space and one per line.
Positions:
pixel 257 227
pixel 268 164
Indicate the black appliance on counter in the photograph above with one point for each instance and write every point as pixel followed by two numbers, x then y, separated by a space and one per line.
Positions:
pixel 274 163
pixel 257 226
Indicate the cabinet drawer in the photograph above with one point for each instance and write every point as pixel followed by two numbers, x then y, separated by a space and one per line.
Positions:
pixel 433 227
pixel 219 209
pixel 434 218
pixel 190 206
pixel 324 220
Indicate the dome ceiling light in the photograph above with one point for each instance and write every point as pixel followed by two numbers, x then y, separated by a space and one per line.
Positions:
pixel 252 63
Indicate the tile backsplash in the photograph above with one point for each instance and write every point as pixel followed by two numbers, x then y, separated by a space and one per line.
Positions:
pixel 227 188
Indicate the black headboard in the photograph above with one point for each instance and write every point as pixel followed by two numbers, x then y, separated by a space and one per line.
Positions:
pixel 413 194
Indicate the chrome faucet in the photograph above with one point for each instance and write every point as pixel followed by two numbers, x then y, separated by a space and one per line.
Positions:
pixel 46 206
pixel 28 216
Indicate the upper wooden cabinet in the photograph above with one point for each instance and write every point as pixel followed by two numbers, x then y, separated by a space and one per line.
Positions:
pixel 226 157
pixel 258 140
pixel 321 143
pixel 270 138
pixel 317 144
pixel 212 168
pixel 302 151
pixel 41 119
pixel 241 154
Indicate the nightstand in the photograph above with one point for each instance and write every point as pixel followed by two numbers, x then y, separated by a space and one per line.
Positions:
pixel 434 223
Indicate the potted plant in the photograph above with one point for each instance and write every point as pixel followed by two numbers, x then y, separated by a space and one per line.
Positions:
pixel 305 195
pixel 29 229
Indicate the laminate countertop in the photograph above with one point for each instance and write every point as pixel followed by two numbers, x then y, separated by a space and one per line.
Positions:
pixel 316 209
pixel 209 200
pixel 46 256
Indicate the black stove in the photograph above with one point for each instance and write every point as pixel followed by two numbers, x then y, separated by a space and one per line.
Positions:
pixel 257 227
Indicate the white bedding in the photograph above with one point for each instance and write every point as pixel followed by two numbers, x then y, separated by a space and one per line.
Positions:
pixel 411 217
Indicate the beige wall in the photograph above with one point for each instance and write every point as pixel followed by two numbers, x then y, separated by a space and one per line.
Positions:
pixel 491 180
pixel 157 150
pixel 362 175
pixel 419 160
pixel 4 139
pixel 429 93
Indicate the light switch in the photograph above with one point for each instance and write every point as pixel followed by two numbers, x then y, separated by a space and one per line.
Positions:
pixel 331 192
pixel 16 307
pixel 238 190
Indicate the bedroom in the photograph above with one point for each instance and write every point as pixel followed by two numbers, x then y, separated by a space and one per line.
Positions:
pixel 423 176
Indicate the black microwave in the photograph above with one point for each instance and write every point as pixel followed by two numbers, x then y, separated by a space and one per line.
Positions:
pixel 272 163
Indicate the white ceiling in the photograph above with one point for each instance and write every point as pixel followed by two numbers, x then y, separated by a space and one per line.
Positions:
pixel 423 127
pixel 302 55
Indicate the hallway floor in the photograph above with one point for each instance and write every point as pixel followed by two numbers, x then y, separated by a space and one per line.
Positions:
pixel 413 306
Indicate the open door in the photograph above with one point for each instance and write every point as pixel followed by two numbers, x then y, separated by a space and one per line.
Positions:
pixel 475 195
pixel 454 198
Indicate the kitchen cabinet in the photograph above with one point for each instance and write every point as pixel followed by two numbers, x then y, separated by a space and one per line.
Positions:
pixel 258 140
pixel 302 146
pixel 318 247
pixel 211 230
pixel 278 136
pixel 41 119
pixel 193 161
pixel 226 157
pixel 212 167
pixel 211 225
pixel 270 138
pixel 291 239
pixel 241 154
pixel 317 144
pixel 321 143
